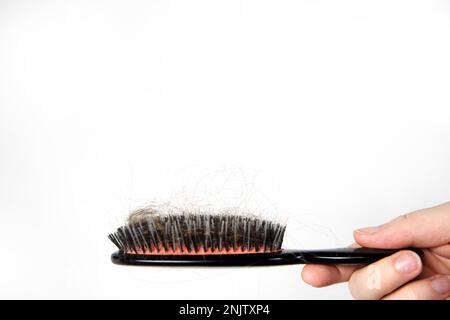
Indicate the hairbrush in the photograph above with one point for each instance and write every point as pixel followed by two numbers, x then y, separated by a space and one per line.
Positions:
pixel 186 238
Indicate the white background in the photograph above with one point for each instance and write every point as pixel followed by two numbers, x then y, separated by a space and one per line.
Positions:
pixel 335 113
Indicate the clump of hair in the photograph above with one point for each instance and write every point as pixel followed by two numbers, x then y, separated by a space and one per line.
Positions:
pixel 173 230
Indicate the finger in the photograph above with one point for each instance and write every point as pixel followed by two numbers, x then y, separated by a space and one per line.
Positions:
pixel 432 264
pixel 442 251
pixel 318 275
pixel 424 228
pixel 324 275
pixel 435 288
pixel 437 260
pixel 384 276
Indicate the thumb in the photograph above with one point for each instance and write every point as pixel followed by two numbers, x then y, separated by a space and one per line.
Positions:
pixel 425 228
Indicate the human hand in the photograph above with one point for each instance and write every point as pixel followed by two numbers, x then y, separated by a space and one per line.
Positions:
pixel 402 275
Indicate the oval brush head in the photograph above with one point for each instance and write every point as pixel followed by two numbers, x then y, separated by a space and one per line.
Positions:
pixel 150 232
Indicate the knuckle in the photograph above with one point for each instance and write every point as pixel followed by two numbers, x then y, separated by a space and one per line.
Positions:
pixel 406 224
pixel 407 217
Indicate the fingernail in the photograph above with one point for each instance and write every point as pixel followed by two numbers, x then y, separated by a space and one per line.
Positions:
pixel 369 230
pixel 406 263
pixel 441 284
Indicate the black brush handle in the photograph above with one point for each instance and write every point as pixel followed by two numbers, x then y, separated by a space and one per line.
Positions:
pixel 336 256
pixel 283 257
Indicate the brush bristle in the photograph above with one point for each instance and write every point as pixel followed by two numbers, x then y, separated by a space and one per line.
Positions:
pixel 149 231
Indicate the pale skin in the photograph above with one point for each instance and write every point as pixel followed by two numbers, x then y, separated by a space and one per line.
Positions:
pixel 402 275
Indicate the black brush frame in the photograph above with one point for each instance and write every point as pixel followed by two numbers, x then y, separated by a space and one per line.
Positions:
pixel 352 256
